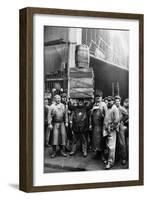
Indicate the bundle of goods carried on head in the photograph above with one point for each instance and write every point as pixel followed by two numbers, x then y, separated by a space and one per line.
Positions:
pixel 81 77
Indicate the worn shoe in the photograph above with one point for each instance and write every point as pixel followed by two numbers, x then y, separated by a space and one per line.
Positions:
pixel 108 166
pixel 53 154
pixel 85 154
pixel 103 159
pixel 46 144
pixel 72 153
pixel 63 153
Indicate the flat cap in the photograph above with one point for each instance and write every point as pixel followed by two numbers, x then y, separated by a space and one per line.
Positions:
pixel 109 98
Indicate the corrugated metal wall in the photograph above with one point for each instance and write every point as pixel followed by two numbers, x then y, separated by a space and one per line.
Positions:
pixel 106 74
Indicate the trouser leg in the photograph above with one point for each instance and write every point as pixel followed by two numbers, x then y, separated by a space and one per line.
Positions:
pixel 111 145
pixel 63 134
pixel 74 144
pixel 54 151
pixel 104 152
pixel 56 133
pixel 63 152
pixel 127 142
pixel 47 135
pixel 90 140
pixel 84 144
pixel 64 138
pixel 122 143
pixel 69 138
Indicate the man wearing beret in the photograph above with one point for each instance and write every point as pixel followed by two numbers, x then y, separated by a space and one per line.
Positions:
pixel 110 128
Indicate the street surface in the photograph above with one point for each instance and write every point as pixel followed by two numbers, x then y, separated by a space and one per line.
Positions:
pixel 74 163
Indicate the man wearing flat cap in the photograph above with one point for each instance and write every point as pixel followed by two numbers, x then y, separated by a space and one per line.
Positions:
pixel 96 123
pixel 123 115
pixel 58 120
pixel 46 115
pixel 64 100
pixel 79 124
pixel 110 128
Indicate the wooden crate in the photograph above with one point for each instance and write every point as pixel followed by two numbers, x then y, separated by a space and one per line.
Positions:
pixel 81 93
pixel 81 73
pixel 81 83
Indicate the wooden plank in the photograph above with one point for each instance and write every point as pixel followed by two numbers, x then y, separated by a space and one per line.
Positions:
pixel 81 82
pixel 82 64
pixel 81 73
pixel 82 89
pixel 81 93
pixel 75 69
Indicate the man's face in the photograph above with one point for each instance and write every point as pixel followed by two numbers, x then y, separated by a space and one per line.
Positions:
pixel 117 102
pixel 58 99
pixel 63 99
pixel 81 103
pixel 110 103
pixel 106 101
pixel 45 102
pixel 98 99
pixel 126 104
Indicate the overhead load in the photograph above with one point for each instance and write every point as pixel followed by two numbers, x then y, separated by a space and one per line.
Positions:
pixel 81 83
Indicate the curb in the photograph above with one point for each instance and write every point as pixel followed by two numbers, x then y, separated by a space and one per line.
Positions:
pixel 67 168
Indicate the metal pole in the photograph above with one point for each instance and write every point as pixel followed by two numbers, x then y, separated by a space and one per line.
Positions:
pixel 113 89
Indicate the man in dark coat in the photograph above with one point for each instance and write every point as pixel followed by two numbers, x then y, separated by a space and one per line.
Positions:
pixel 79 124
pixel 96 123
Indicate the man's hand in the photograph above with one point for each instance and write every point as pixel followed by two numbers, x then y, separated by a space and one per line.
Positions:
pixel 90 127
pixel 66 124
pixel 70 124
pixel 50 126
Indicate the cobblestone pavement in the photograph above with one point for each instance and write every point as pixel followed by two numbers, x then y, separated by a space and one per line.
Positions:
pixel 74 163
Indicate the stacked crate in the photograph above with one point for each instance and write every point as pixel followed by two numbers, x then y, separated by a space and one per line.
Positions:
pixel 81 83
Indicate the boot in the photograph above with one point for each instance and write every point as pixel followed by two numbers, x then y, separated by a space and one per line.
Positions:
pixel 85 153
pixel 73 151
pixel 84 150
pixel 103 158
pixel 53 155
pixel 108 165
pixel 63 153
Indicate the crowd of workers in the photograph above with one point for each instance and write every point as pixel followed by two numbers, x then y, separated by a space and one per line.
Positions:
pixel 98 125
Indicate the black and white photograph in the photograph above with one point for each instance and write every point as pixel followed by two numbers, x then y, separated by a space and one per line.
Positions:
pixel 81 95
pixel 86 99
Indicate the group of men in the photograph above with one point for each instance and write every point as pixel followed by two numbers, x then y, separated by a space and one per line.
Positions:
pixel 100 125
